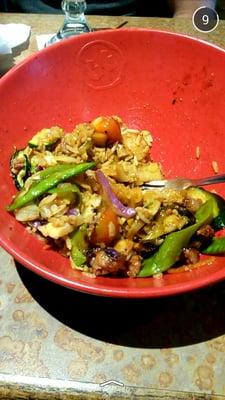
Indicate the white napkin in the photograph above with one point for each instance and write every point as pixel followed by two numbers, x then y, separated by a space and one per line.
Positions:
pixel 42 39
pixel 11 36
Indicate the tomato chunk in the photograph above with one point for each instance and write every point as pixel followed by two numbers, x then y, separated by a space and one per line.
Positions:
pixel 106 229
pixel 220 233
pixel 110 127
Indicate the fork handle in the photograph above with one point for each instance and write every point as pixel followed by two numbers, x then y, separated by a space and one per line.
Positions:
pixel 210 180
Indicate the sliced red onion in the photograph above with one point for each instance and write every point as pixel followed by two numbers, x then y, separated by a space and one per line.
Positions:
pixel 36 224
pixel 73 211
pixel 119 208
pixel 39 168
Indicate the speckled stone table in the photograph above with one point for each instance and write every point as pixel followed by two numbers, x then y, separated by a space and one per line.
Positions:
pixel 60 344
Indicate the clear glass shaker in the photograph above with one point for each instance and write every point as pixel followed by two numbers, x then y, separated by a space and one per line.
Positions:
pixel 75 22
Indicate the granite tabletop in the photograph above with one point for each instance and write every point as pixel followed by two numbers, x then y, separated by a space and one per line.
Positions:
pixel 59 344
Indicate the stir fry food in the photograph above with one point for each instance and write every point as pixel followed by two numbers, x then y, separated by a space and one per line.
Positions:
pixel 81 192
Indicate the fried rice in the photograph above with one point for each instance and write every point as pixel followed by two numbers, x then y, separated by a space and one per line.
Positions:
pixel 113 242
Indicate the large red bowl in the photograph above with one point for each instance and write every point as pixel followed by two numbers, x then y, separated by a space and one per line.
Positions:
pixel 169 83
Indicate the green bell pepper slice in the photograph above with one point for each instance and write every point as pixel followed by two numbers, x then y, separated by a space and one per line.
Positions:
pixel 79 243
pixel 68 191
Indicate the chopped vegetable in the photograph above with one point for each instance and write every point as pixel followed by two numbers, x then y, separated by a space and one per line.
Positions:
pixel 219 221
pixel 44 173
pixel 67 191
pixel 220 233
pixel 106 229
pixel 167 220
pixel 204 195
pixel 99 139
pixel 20 168
pixel 73 211
pixel 30 212
pixel 79 242
pixel 118 207
pixel 51 170
pixel 173 244
pixel 43 186
pixel 46 137
pixel 217 246
pixel 108 126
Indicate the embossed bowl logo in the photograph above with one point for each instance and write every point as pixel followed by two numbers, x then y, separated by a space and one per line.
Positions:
pixel 102 62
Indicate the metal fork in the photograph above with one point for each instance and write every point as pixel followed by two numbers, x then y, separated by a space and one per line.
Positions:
pixel 183 183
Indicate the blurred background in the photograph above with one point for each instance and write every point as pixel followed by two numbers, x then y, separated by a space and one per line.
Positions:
pixel 151 8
